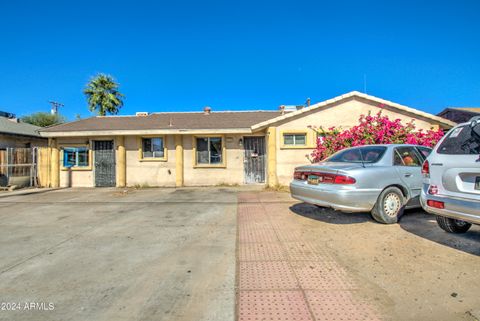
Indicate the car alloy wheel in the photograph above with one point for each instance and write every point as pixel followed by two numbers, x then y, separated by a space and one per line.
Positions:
pixel 391 204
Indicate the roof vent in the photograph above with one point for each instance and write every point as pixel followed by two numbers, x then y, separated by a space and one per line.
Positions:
pixel 207 110
pixel 289 108
pixel 141 113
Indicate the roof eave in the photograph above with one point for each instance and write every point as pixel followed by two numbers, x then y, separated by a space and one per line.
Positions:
pixel 441 121
pixel 122 132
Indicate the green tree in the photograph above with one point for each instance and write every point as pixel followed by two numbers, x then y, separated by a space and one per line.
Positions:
pixel 103 96
pixel 43 119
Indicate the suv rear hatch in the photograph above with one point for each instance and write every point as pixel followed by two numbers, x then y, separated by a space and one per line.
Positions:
pixel 455 167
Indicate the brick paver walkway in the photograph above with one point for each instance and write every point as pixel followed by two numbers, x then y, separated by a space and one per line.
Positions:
pixel 283 274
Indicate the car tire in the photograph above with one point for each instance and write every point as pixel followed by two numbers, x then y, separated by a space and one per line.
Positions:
pixel 451 225
pixel 389 207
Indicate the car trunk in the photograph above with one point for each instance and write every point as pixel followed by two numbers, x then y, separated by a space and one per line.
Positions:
pixel 329 167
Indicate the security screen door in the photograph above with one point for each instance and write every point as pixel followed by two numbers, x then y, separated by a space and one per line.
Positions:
pixel 104 163
pixel 254 160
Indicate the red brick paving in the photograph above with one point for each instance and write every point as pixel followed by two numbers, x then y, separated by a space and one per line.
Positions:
pixel 283 275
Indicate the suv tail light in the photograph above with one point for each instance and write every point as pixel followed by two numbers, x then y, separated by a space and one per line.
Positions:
pixel 426 169
pixel 436 204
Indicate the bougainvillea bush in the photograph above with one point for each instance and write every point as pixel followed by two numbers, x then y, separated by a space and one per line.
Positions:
pixel 377 129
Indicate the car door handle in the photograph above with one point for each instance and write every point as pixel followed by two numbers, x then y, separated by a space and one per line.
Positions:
pixel 408 174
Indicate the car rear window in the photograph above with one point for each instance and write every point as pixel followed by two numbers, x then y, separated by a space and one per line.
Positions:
pixel 358 155
pixel 460 141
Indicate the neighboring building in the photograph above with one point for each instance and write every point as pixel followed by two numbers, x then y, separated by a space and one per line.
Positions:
pixel 459 114
pixel 205 148
pixel 14 133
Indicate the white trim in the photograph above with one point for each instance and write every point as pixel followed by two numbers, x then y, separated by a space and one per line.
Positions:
pixel 410 110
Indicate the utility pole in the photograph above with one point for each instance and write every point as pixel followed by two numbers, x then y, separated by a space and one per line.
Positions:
pixel 55 105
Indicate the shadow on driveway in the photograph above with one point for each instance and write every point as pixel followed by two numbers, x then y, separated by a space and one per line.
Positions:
pixel 424 225
pixel 328 215
pixel 414 221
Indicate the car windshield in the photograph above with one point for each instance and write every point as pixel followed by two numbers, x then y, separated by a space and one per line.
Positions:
pixel 370 154
pixel 460 141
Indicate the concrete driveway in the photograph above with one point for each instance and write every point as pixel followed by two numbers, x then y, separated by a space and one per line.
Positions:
pixel 105 254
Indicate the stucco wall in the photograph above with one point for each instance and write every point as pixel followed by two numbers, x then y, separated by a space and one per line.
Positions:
pixel 161 173
pixel 345 115
pixel 74 178
pixel 149 173
pixel 230 175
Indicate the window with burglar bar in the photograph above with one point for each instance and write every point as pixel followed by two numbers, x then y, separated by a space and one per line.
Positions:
pixel 209 150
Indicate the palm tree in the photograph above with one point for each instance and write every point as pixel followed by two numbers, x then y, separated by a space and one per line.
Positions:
pixel 103 95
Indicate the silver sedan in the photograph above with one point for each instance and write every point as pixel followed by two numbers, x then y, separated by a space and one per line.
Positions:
pixel 381 179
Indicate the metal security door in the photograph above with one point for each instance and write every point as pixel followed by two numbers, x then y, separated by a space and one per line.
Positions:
pixel 254 160
pixel 104 163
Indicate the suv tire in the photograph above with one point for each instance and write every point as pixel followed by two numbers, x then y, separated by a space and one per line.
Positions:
pixel 451 225
pixel 389 207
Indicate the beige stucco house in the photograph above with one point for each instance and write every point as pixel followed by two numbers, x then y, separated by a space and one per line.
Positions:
pixel 205 148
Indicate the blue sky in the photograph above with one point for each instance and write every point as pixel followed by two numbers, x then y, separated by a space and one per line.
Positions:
pixel 183 55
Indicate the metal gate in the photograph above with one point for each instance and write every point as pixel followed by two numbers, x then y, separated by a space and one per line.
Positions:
pixel 254 160
pixel 104 163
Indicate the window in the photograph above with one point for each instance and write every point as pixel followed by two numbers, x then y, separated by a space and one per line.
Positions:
pixel 209 150
pixel 462 140
pixel 294 139
pixel 370 154
pixel 75 157
pixel 153 147
pixel 425 151
pixel 406 156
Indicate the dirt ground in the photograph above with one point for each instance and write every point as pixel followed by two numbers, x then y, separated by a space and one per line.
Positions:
pixel 413 270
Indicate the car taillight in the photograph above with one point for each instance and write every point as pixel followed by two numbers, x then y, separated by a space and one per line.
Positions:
pixel 436 204
pixel 342 179
pixel 433 189
pixel 300 175
pixel 426 168
pixel 327 178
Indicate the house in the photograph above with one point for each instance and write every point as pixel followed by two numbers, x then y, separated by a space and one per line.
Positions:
pixel 459 114
pixel 15 134
pixel 205 148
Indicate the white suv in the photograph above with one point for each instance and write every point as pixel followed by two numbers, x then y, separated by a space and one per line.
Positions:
pixel 451 178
